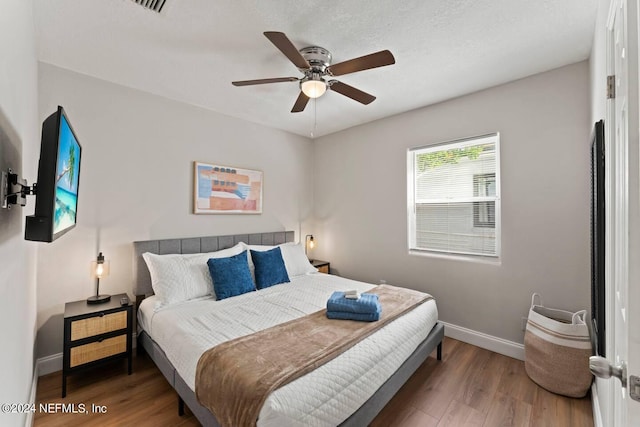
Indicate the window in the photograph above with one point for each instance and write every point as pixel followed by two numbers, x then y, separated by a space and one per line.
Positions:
pixel 454 197
pixel 484 213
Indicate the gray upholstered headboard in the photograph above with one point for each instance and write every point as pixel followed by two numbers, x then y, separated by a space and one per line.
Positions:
pixel 194 245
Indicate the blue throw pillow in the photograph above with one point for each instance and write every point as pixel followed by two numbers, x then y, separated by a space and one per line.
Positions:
pixel 270 269
pixel 230 276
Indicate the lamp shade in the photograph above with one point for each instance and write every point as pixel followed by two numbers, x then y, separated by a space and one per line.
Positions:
pixel 313 88
pixel 99 270
pixel 309 243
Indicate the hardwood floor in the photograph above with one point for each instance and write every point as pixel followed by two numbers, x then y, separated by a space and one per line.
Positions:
pixel 473 386
pixel 470 386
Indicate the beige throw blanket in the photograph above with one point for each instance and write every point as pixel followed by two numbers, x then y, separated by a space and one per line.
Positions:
pixel 234 378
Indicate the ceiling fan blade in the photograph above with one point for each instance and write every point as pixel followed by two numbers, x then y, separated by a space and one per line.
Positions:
pixel 281 41
pixel 301 102
pixel 374 60
pixel 263 81
pixel 351 92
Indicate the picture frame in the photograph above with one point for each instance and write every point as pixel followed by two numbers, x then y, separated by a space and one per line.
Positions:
pixel 226 190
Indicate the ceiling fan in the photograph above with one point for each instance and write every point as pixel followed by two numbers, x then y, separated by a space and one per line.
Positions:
pixel 315 63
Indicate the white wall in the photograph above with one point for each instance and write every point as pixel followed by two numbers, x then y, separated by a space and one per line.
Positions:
pixel 136 183
pixel 543 120
pixel 19 136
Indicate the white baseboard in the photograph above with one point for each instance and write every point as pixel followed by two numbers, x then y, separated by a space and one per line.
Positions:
pixel 53 363
pixel 28 422
pixel 49 364
pixel 595 404
pixel 489 342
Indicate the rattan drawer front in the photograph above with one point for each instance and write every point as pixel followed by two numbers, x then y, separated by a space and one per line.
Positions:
pixel 98 325
pixel 324 269
pixel 98 350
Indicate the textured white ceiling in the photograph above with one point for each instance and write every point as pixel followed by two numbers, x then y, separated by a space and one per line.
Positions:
pixel 194 49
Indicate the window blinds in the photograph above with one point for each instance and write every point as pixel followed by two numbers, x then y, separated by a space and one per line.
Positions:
pixel 454 197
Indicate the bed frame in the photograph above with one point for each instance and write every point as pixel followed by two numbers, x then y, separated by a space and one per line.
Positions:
pixel 142 288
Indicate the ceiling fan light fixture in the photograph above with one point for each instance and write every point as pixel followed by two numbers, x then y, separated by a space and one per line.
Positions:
pixel 313 88
pixel 314 62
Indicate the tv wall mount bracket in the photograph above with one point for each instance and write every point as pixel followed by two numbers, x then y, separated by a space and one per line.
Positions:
pixel 13 190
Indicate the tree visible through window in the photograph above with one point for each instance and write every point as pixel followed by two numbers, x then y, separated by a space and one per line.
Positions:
pixel 454 197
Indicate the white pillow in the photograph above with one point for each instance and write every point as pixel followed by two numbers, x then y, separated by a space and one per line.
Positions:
pixel 295 260
pixel 176 277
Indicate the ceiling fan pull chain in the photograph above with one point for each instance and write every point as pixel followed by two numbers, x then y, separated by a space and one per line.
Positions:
pixel 315 116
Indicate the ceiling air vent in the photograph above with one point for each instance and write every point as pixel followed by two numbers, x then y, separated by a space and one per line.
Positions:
pixel 155 5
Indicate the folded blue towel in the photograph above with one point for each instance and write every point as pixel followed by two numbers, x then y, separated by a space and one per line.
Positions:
pixel 362 317
pixel 366 304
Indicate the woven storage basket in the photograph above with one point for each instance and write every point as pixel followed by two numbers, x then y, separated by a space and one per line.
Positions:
pixel 557 349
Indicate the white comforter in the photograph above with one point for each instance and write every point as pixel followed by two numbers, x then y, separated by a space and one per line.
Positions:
pixel 324 397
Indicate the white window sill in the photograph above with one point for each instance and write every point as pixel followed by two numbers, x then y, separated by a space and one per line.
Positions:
pixel 457 257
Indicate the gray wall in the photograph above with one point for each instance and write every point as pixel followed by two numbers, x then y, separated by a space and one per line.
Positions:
pixel 598 64
pixel 543 120
pixel 136 183
pixel 19 136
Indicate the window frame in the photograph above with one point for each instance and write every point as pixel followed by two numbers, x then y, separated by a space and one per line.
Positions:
pixel 412 199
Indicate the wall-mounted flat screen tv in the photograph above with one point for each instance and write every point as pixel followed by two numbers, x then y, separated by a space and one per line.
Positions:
pixel 58 179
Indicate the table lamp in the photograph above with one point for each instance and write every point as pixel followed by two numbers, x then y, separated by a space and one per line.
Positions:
pixel 99 270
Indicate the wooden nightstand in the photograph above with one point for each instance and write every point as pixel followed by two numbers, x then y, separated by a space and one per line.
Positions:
pixel 322 266
pixel 94 334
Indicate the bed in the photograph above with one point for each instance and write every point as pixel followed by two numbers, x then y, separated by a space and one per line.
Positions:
pixel 325 396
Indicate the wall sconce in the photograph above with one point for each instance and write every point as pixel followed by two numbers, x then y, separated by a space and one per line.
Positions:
pixel 309 243
pixel 99 270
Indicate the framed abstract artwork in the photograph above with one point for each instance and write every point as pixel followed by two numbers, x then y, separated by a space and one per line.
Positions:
pixel 226 190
